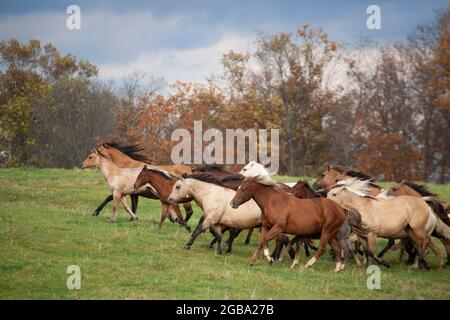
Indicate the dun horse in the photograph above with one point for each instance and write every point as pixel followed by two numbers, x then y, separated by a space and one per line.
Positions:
pixel 120 172
pixel 394 218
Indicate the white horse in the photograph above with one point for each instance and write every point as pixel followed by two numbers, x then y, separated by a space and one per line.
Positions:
pixel 214 199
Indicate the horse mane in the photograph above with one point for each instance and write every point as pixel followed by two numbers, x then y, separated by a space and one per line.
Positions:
pixel 205 177
pixel 233 178
pixel 266 180
pixel 210 167
pixel 131 150
pixel 353 173
pixel 420 188
pixel 356 186
pixel 162 173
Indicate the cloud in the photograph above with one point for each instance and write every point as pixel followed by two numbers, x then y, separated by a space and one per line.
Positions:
pixel 190 65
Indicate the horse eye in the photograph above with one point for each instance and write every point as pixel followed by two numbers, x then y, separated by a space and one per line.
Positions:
pixel 244 169
pixel 322 175
pixel 177 187
pixel 394 189
pixel 334 194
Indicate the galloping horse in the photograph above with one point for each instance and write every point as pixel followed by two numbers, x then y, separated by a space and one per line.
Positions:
pixel 421 191
pixel 302 190
pixel 394 218
pixel 163 183
pixel 213 197
pixel 284 213
pixel 120 171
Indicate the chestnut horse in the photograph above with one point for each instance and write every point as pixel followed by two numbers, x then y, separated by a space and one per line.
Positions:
pixel 283 213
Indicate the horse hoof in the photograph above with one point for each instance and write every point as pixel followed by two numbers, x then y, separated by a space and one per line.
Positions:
pixel 95 213
pixel 187 247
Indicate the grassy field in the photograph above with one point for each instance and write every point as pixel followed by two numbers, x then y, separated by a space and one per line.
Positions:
pixel 46 225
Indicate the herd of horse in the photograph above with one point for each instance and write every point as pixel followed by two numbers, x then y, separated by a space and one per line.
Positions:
pixel 349 212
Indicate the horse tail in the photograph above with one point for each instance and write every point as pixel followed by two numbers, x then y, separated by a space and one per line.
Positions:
pixel 353 218
pixel 438 209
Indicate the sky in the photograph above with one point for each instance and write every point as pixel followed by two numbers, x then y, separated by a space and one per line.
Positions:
pixel 185 40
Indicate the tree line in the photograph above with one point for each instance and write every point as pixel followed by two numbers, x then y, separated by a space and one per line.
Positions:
pixel 383 109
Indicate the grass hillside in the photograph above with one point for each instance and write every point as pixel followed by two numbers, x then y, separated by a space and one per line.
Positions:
pixel 46 225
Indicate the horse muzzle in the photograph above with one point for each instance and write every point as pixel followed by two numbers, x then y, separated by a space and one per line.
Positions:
pixel 233 205
pixel 171 201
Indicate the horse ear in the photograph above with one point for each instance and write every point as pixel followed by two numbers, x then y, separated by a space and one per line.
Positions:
pixel 145 167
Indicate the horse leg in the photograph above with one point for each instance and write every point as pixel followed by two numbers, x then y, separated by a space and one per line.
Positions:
pixel 371 246
pixel 389 245
pixel 203 225
pixel 249 236
pixel 334 243
pixel 102 205
pixel 181 221
pixel 272 233
pixel 134 203
pixel 437 253
pixel 280 241
pixel 297 253
pixel 188 210
pixel 218 232
pixel 420 240
pixel 324 238
pixel 233 234
pixel 115 205
pixel 258 247
pixel 165 210
pixel 127 208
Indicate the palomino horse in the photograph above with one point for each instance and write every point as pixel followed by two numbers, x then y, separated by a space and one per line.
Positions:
pixel 394 218
pixel 333 174
pixel 210 194
pixel 121 175
pixel 284 213
pixel 421 191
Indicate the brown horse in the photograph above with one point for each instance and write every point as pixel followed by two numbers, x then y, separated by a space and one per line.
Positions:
pixel 333 174
pixel 303 190
pixel 120 166
pixel 284 213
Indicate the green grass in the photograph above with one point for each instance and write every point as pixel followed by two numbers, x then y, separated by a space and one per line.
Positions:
pixel 46 225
